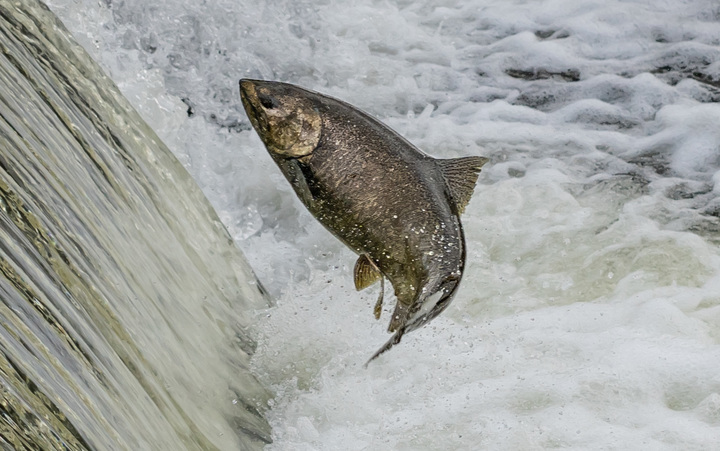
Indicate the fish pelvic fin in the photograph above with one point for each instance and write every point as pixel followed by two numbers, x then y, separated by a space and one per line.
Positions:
pixel 367 273
pixel 460 175
pixel 390 343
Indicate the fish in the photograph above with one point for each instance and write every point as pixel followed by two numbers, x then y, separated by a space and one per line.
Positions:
pixel 395 206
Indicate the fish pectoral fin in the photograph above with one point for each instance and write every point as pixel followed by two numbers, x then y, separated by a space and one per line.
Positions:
pixel 366 273
pixel 460 175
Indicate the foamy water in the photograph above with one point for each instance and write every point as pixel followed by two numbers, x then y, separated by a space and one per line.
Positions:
pixel 589 314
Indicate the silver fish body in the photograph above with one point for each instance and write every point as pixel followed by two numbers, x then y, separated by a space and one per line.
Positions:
pixel 395 206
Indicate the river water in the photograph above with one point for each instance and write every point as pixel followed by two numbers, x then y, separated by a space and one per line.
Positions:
pixel 589 315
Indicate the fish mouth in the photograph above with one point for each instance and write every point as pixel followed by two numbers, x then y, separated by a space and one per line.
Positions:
pixel 248 94
pixel 247 88
pixel 250 101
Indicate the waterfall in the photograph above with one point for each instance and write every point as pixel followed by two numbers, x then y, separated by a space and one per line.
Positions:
pixel 125 303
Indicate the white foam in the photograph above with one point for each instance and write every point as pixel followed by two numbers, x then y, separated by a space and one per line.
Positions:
pixel 588 317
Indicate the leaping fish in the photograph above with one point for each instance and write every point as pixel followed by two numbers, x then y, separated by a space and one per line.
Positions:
pixel 396 207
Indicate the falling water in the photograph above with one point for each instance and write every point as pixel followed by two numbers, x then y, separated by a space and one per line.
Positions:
pixel 124 301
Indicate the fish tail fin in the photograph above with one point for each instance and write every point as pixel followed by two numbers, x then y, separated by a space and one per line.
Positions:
pixel 448 289
pixel 390 343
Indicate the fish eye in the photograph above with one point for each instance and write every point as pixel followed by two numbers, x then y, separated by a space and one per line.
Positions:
pixel 267 102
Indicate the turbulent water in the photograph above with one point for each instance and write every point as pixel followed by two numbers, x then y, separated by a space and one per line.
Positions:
pixel 124 313
pixel 589 315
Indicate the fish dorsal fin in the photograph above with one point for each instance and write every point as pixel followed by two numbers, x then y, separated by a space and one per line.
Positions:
pixel 366 272
pixel 460 175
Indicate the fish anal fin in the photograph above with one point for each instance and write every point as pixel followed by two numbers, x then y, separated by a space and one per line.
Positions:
pixel 378 305
pixel 399 317
pixel 365 273
pixel 460 175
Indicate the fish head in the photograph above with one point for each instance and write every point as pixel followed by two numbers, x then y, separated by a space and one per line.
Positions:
pixel 284 116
